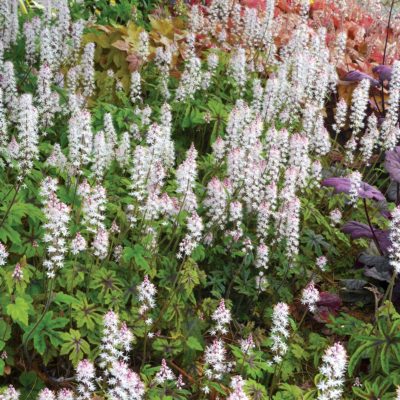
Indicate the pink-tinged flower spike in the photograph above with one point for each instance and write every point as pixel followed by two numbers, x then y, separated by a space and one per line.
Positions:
pixel 215 360
pixel 219 148
pixel 394 249
pixel 28 138
pixel 78 244
pixel 30 42
pixel 124 383
pixel 192 238
pixel 65 394
pixel 390 127
pixel 262 258
pixel 163 59
pixel 80 138
pixel 247 345
pixel 237 384
pixel 3 254
pixel 136 89
pixel 146 294
pixel 94 200
pixel 180 383
pixel 216 203
pixel 10 394
pixel 191 80
pixel 85 376
pixel 310 296
pixel 355 186
pixel 340 47
pixel 359 106
pixel 143 49
pixel 100 243
pixel 101 156
pixel 9 86
pixel 9 18
pixel 46 394
pixel 289 227
pixel 18 273
pixel 57 158
pixel 47 101
pixel 87 70
pixel 110 135
pixel 212 62
pixel 340 116
pixel 56 227
pixel 76 36
pixel 115 343
pixel 186 175
pixel 235 218
pixel 266 211
pixel 370 139
pixel 332 370
pixel 298 156
pixel 237 67
pixel 398 393
pixel 123 152
pixel 335 216
pixel 164 374
pixel 321 263
pixel 280 331
pixel 13 149
pixel 48 47
pixel 222 317
pixel 258 95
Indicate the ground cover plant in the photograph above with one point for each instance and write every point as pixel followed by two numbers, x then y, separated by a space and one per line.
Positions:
pixel 199 200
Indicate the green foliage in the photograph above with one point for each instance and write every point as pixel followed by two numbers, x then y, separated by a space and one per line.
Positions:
pixel 47 326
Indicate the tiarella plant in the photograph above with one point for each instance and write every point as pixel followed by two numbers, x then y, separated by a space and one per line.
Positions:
pixel 168 228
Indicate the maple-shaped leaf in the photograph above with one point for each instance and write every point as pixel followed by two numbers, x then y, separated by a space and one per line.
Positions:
pixel 18 310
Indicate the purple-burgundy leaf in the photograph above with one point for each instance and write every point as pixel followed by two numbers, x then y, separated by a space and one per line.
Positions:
pixel 330 300
pixel 383 71
pixel 392 163
pixel 358 230
pixel 343 185
pixel 357 76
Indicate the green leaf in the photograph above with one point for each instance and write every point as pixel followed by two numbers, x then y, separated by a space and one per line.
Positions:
pixel 45 327
pixel 74 345
pixel 18 311
pixel 5 330
pixel 356 357
pixel 385 359
pixel 65 299
pixel 194 344
pixel 39 343
pixel 137 254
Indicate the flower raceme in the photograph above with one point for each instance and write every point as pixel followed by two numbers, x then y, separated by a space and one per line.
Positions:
pixel 332 371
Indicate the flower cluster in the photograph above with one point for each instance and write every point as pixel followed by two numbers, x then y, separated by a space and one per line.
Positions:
pixel 332 372
pixel 279 331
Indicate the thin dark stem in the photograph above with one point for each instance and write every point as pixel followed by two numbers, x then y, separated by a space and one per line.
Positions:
pixel 46 308
pixel 387 31
pixel 6 195
pixel 11 204
pixel 371 227
pixel 384 55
